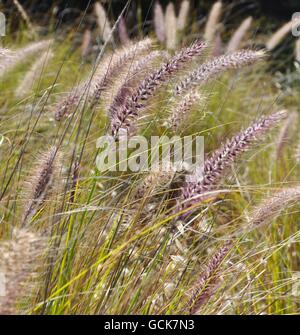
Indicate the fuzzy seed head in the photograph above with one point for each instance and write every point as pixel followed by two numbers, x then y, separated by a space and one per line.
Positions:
pixel 129 112
pixel 216 166
pixel 217 66
pixel 171 27
pixel 212 21
pixel 271 207
pixel 181 110
pixel 40 182
pixel 103 22
pixel 18 263
pixel 183 14
pixel 101 78
pixel 122 31
pixel 236 39
pixel 159 22
pixel 278 36
pixel 205 286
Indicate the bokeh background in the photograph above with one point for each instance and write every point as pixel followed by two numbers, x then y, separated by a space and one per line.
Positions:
pixel 72 9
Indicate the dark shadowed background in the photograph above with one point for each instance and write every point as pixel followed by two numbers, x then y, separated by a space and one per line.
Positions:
pixel 40 9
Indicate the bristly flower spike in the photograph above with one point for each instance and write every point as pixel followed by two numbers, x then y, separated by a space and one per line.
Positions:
pixel 125 117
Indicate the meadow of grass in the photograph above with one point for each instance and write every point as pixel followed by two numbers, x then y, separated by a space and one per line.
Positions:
pixel 75 240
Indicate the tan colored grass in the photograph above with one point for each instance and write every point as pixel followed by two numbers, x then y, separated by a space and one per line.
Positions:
pixel 236 39
pixel 277 37
pixel 103 22
pixel 212 21
pixel 272 206
pixel 171 27
pixel 183 15
pixel 33 75
pixel 19 261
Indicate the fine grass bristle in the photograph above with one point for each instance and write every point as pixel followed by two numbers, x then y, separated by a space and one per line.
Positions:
pixel 122 90
pixel 34 74
pixel 285 133
pixel 179 114
pixel 10 60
